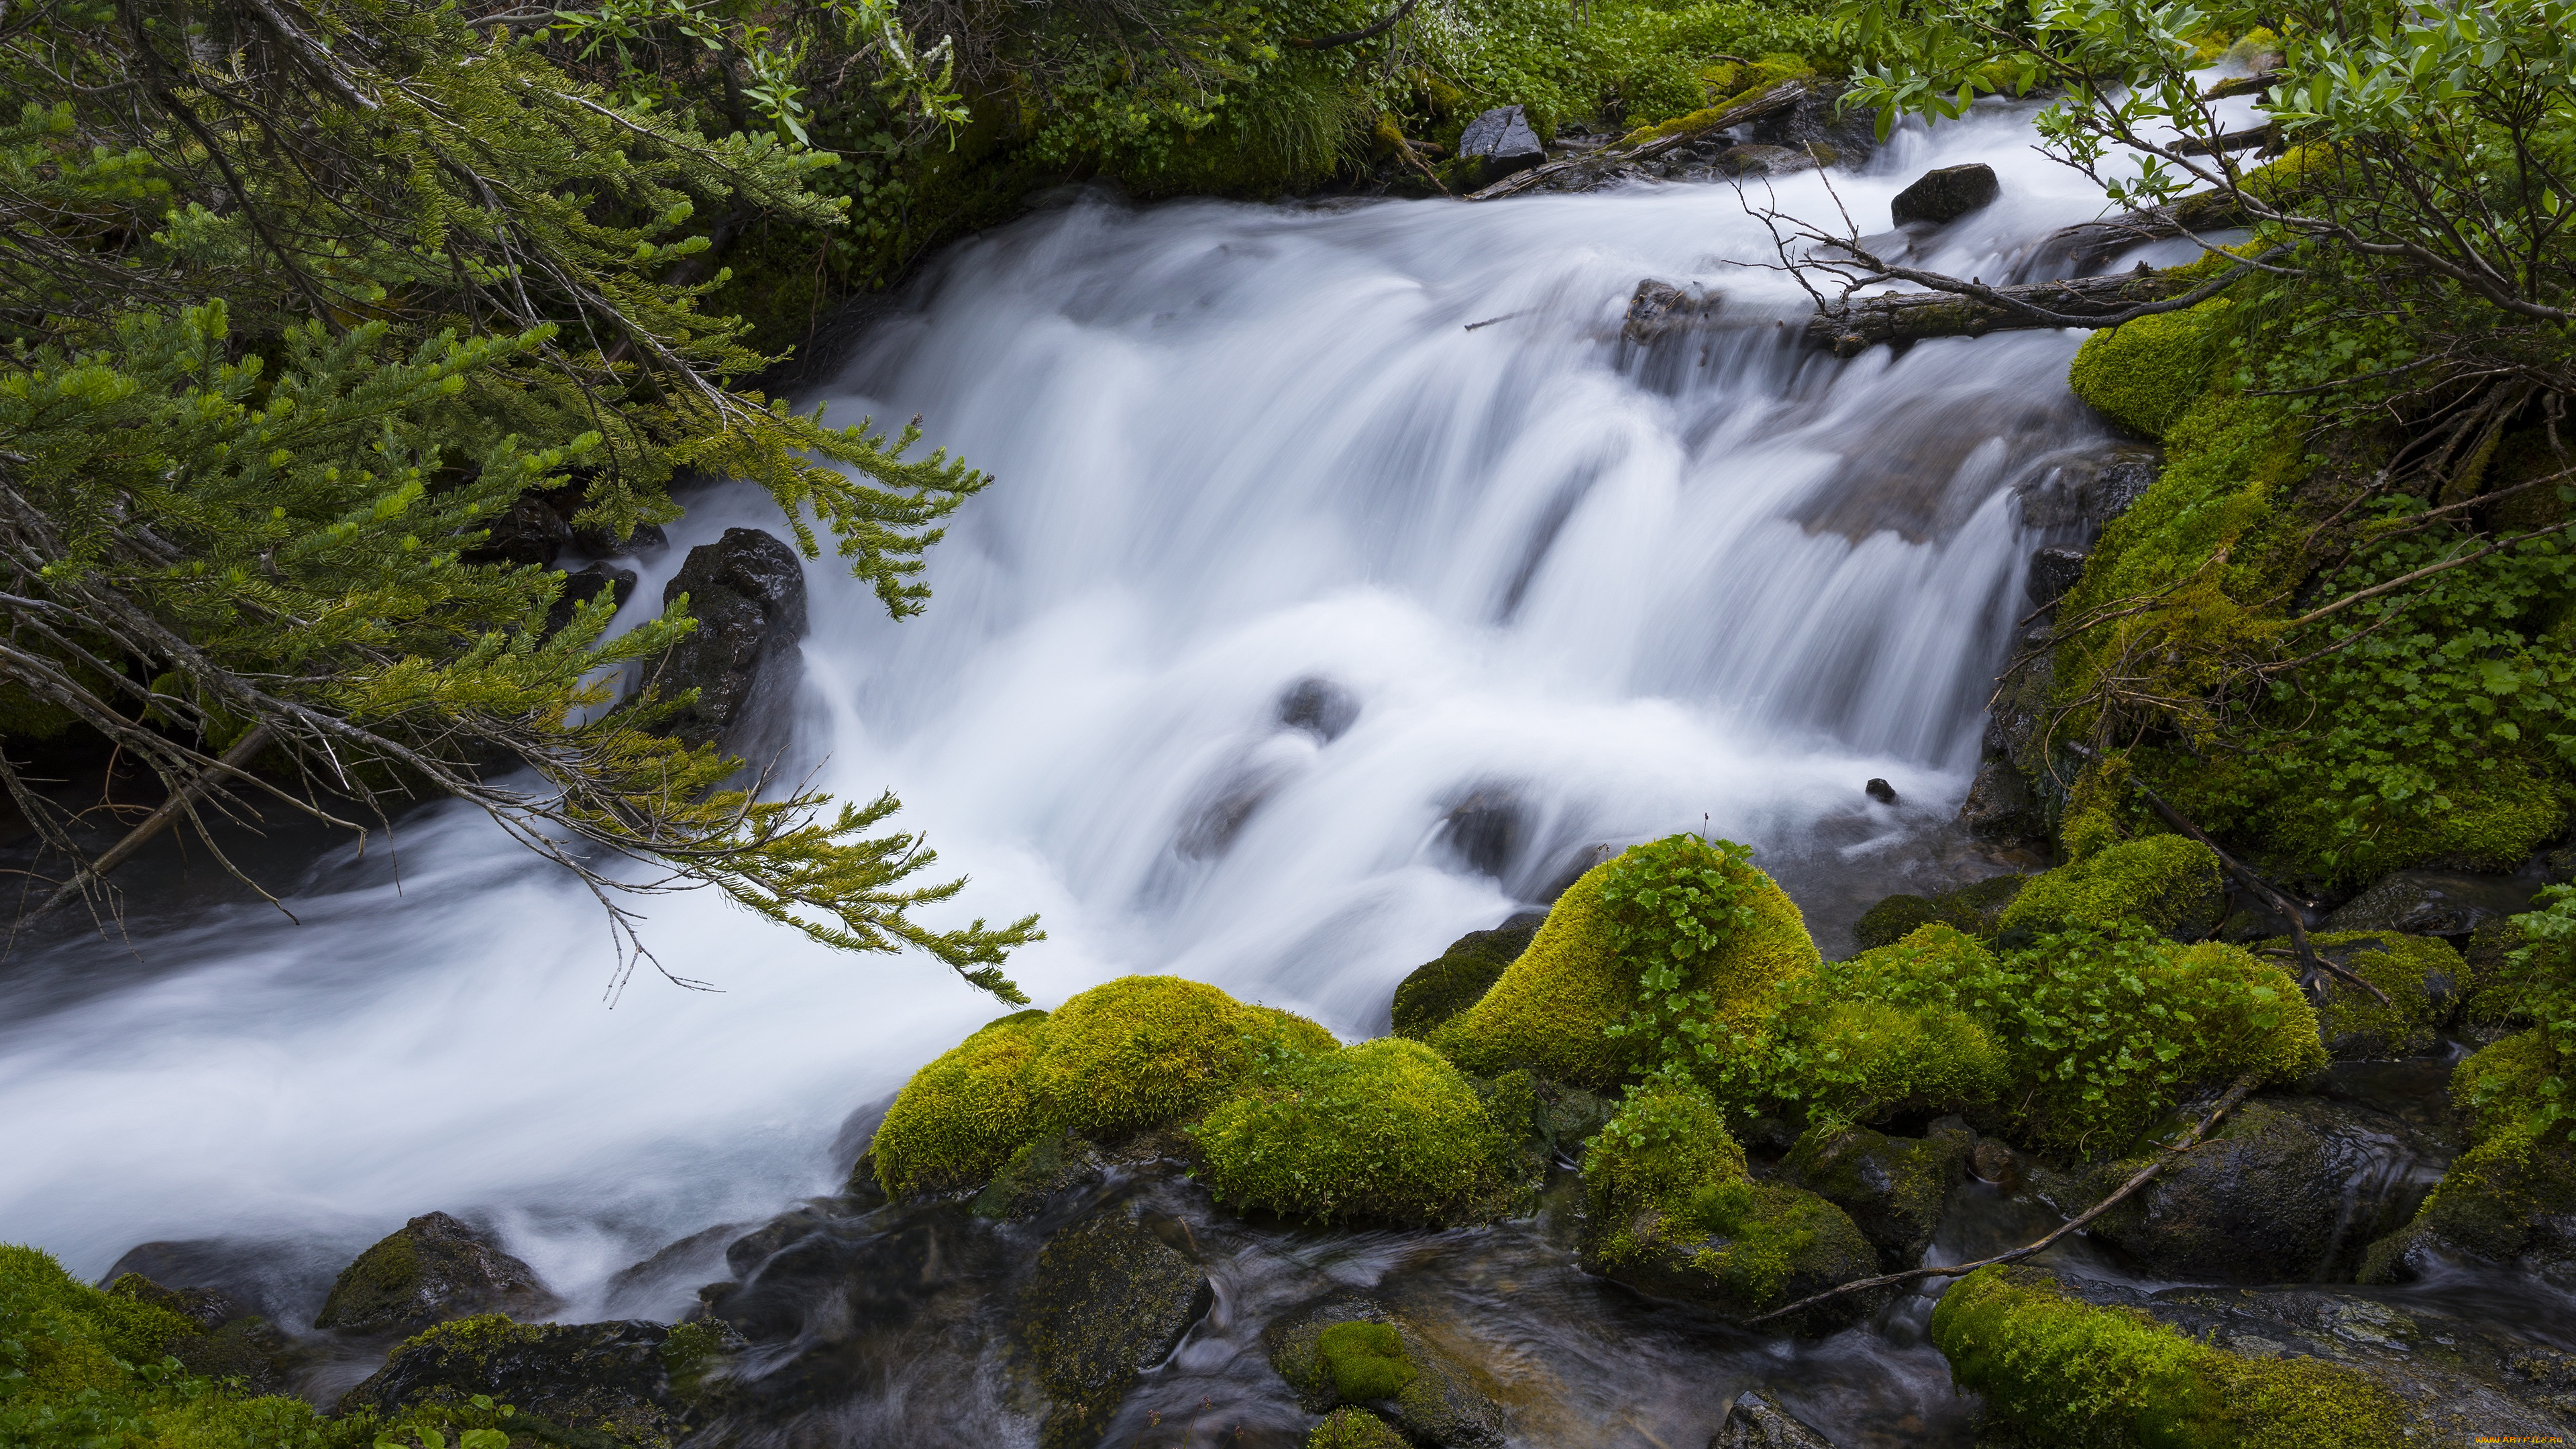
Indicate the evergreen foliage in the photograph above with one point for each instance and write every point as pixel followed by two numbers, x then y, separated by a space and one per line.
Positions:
pixel 296 300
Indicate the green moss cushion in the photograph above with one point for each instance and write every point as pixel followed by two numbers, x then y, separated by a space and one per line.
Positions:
pixel 2065 1372
pixel 2166 882
pixel 2145 374
pixel 2499 1087
pixel 1386 1130
pixel 1550 1010
pixel 961 1117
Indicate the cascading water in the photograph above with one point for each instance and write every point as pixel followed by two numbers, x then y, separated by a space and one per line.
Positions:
pixel 1348 577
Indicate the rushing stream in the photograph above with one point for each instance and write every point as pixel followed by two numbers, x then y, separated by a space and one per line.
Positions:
pixel 1347 579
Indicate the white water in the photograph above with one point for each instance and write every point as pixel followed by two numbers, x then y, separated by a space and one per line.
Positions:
pixel 1237 448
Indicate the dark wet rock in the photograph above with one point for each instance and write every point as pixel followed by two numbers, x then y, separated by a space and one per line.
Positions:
pixel 2012 725
pixel 1893 1188
pixel 1657 309
pixel 529 534
pixel 1785 1244
pixel 2509 1202
pixel 1038 1175
pixel 1353 1350
pixel 2053 571
pixel 1768 160
pixel 585 584
pixel 2458 1364
pixel 2289 1189
pixel 2433 903
pixel 638 1289
pixel 629 1380
pixel 2085 492
pixel 1486 830
pixel 1437 990
pixel 2000 805
pixel 208 1308
pixel 1109 1299
pixel 232 1343
pixel 1880 791
pixel 1972 908
pixel 647 539
pixel 1754 1422
pixel 1319 707
pixel 435 1268
pixel 1567 1117
pixel 1994 1161
pixel 1946 194
pixel 747 592
pixel 1501 143
pixel 1221 810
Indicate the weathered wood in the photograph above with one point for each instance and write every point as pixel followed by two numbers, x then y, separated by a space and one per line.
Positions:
pixel 1895 317
pixel 1776 101
pixel 2089 246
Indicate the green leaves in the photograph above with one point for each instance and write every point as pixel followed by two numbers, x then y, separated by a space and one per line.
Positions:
pixel 1673 903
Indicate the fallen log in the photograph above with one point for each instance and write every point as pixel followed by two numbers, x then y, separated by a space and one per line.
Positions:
pixel 1591 166
pixel 1897 317
pixel 2088 246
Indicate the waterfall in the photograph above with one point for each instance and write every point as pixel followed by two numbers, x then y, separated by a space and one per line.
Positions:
pixel 1348 577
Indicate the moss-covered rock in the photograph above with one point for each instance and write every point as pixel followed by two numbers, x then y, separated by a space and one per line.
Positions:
pixel 2145 374
pixel 2500 1086
pixel 1349 1350
pixel 1135 1053
pixel 1438 990
pixel 1109 1299
pixel 1972 909
pixel 1672 1212
pixel 2420 975
pixel 2066 1372
pixel 1037 1174
pixel 2511 1200
pixel 1550 1011
pixel 607 1379
pixel 434 1268
pixel 1348 1428
pixel 1906 1028
pixel 1386 1130
pixel 1754 1422
pixel 2166 882
pixel 1893 1188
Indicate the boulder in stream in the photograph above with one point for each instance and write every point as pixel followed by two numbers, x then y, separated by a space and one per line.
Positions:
pixel 1754 1422
pixel 1499 143
pixel 1971 909
pixel 1946 194
pixel 1893 1188
pixel 1438 990
pixel 2433 903
pixel 2421 976
pixel 747 592
pixel 1110 1298
pixel 629 1382
pixel 435 1268
pixel 1352 1350
pixel 585 584
pixel 2509 1202
pixel 2000 805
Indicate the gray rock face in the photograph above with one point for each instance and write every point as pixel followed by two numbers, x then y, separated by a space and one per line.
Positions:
pixel 1501 141
pixel 2053 571
pixel 1946 194
pixel 2291 1189
pixel 435 1268
pixel 747 592
pixel 1754 1422
pixel 1109 1299
pixel 2433 903
pixel 2000 805
pixel 1658 309
pixel 1765 160
pixel 1319 707
pixel 2084 493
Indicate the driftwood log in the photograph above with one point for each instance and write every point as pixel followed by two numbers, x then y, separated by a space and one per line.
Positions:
pixel 1591 166
pixel 1865 322
pixel 2088 246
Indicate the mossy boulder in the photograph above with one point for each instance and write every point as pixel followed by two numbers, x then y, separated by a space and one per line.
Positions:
pixel 1348 1428
pixel 2144 375
pixel 1671 1211
pixel 2509 1201
pixel 1038 1174
pixel 1352 1351
pixel 1550 1010
pixel 1136 1053
pixel 1109 1298
pixel 1754 1422
pixel 1893 1188
pixel 628 1382
pixel 1385 1131
pixel 2060 1371
pixel 2287 1190
pixel 434 1268
pixel 1438 990
pixel 1972 909
pixel 2420 975
pixel 2167 882
pixel 1905 1028
pixel 2500 1086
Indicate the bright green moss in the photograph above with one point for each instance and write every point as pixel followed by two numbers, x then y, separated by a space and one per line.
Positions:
pixel 1137 1052
pixel 2066 1372
pixel 1551 1010
pixel 1666 1142
pixel 2356 1027
pixel 1737 83
pixel 2166 882
pixel 2500 1087
pixel 2503 1200
pixel 1386 1130
pixel 1365 1361
pixel 1438 990
pixel 1866 1059
pixel 2108 1031
pixel 2145 374
pixel 961 1117
pixel 1355 1429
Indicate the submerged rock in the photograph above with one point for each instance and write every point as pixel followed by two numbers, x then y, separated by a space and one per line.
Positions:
pixel 1658 308
pixel 1769 160
pixel 435 1268
pixel 1319 707
pixel 1893 1188
pixel 1109 1299
pixel 1754 1422
pixel 1438 990
pixel 2510 1202
pixel 1351 1350
pixel 1946 194
pixel 747 592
